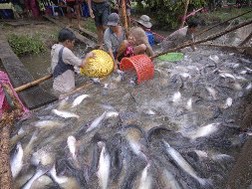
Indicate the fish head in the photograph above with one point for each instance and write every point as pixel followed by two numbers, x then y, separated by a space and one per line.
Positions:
pixel 71 140
pixel 101 144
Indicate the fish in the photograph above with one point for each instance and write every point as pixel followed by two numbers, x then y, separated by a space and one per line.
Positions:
pixel 111 114
pixel 239 77
pixel 227 75
pixel 63 103
pixel 99 119
pixel 96 80
pixel 29 146
pixel 71 143
pixel 46 123
pixel 182 163
pixel 237 86
pixel 21 133
pixel 212 92
pixel 17 160
pixel 146 179
pixel 176 97
pixel 38 174
pixel 60 180
pixel 214 58
pixel 106 86
pixel 78 100
pixel 243 72
pixel 64 114
pixel 248 69
pixel 189 104
pixel 203 131
pixel 149 112
pixel 103 167
pixel 170 181
pixel 96 122
pixel 219 157
pixel 249 86
pixel 228 103
pixel 185 75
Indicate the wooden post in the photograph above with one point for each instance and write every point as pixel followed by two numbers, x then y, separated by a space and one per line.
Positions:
pixel 124 14
pixel 185 13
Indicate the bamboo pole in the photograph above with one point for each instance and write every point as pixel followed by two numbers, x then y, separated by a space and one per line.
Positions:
pixel 77 89
pixel 185 13
pixel 245 40
pixel 124 14
pixel 213 37
pixel 32 83
pixel 214 26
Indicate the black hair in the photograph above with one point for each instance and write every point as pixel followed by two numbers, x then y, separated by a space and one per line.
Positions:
pixel 192 24
pixel 66 34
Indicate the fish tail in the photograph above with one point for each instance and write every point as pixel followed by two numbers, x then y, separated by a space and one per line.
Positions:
pixel 205 182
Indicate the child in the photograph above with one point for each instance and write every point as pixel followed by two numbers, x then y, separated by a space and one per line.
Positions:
pixel 63 62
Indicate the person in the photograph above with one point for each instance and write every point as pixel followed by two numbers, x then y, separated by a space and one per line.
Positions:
pixel 180 36
pixel 138 38
pixel 72 7
pixel 63 61
pixel 116 43
pixel 99 10
pixel 114 36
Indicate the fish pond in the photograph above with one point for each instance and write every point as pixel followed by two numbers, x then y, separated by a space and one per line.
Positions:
pixel 178 130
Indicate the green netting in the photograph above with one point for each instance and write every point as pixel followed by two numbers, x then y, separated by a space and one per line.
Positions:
pixel 172 57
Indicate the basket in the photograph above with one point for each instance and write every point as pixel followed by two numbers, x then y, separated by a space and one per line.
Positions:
pixel 172 57
pixel 142 64
pixel 100 66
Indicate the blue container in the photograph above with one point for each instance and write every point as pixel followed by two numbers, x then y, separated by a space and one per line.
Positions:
pixel 150 38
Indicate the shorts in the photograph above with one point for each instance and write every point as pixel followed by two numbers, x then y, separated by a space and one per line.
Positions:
pixel 73 4
pixel 101 13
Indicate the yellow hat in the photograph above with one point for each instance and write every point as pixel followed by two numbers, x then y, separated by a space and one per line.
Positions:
pixel 100 66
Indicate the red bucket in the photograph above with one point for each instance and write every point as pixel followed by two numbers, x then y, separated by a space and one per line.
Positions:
pixel 142 64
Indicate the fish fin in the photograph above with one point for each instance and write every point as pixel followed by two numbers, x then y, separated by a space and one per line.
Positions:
pixel 207 183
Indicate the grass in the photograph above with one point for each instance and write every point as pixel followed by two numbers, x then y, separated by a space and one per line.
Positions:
pixel 90 25
pixel 26 44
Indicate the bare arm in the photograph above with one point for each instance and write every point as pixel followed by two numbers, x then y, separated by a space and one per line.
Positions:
pixel 90 9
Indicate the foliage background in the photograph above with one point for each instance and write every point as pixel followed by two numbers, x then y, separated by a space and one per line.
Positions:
pixel 169 13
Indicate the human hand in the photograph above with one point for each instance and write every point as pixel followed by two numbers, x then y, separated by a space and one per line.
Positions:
pixel 91 13
pixel 90 55
pixel 116 65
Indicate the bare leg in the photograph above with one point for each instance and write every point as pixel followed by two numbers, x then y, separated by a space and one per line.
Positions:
pixel 77 8
pixel 100 31
pixel 69 15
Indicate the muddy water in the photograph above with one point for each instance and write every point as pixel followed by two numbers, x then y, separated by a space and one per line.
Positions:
pixel 39 65
pixel 201 91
